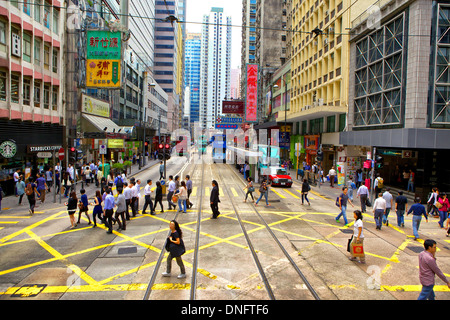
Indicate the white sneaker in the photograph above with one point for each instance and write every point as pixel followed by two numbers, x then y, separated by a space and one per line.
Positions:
pixel 165 274
pixel 181 276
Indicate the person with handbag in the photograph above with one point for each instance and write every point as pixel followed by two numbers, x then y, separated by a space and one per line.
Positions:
pixel 443 205
pixel 83 206
pixel 158 197
pixel 182 196
pixel 250 189
pixel 176 248
pixel 263 191
pixel 357 238
pixel 305 188
pixel 72 208
pixel 214 200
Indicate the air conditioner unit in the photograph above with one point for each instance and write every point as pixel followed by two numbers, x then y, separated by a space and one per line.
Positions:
pixel 320 102
pixel 15 45
pixel 327 12
pixel 325 41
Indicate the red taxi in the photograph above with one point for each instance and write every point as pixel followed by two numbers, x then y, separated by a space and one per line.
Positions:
pixel 278 176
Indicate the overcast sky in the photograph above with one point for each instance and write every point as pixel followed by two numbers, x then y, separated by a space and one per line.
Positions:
pixel 195 10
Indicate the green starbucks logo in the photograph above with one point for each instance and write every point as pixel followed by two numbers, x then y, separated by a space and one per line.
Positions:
pixel 8 149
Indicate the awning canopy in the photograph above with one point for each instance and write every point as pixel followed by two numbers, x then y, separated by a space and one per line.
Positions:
pixel 104 125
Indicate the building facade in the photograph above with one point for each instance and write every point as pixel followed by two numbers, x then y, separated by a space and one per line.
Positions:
pixel 32 111
pixel 215 66
pixel 399 92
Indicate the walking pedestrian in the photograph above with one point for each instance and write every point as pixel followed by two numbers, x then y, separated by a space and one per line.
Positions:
pixel 120 211
pixel 379 208
pixel 189 191
pixel 332 175
pixel 41 187
pixel 31 191
pixel 214 199
pixel 431 207
pixel 176 248
pixel 358 235
pixel 119 182
pixel 182 196
pixel 148 198
pixel 263 191
pixel 161 170
pixel 411 180
pixel 363 194
pixel 109 206
pixel 443 206
pixel 170 193
pixel 305 189
pixel 49 179
pixel 72 208
pixel 20 189
pixel 250 189
pixel 134 197
pixel 158 197
pixel 127 194
pixel 401 205
pixel 343 200
pixel 83 206
pixel 428 270
pixel 387 196
pixel 98 210
pixel 417 210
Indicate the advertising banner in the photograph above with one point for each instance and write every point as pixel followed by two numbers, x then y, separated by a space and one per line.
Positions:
pixel 104 52
pixel 94 106
pixel 251 107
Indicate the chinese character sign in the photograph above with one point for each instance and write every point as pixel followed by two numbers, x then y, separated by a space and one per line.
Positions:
pixel 103 59
pixel 251 108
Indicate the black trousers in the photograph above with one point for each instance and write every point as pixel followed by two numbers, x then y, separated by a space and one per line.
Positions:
pixel 122 225
pixel 127 212
pixel 215 210
pixel 148 201
pixel 133 206
pixel 108 219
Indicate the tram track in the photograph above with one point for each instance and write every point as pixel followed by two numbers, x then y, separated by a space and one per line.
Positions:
pixel 261 271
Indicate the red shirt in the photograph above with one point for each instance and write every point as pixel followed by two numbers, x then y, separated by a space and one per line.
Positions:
pixel 428 269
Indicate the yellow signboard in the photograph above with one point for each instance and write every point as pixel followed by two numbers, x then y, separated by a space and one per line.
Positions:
pixel 115 143
pixel 103 73
pixel 94 106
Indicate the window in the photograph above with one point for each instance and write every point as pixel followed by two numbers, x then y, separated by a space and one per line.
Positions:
pixel 37 10
pixel 55 61
pixel 47 15
pixel 46 57
pixel 37 94
pixel 3 80
pixel 26 7
pixel 55 98
pixel 15 82
pixel 3 36
pixel 331 123
pixel 37 51
pixel 55 20
pixel 26 91
pixel 46 96
pixel 26 47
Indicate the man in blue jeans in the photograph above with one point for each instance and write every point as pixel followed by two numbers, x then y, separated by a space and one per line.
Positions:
pixel 428 269
pixel 343 199
pixel 418 210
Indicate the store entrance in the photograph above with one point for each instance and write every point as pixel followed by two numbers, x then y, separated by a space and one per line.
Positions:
pixel 395 171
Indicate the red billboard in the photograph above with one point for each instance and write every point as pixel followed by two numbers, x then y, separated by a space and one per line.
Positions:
pixel 233 107
pixel 251 107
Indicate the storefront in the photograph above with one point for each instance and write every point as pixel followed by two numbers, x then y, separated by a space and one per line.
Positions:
pixel 20 144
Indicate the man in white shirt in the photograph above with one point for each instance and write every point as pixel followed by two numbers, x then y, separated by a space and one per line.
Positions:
pixel 148 198
pixel 379 208
pixel 127 194
pixel 138 190
pixel 70 171
pixel 332 174
pixel 171 190
pixel 363 194
pixel 389 204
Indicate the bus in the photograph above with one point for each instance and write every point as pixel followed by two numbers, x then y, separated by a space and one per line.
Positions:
pixel 219 147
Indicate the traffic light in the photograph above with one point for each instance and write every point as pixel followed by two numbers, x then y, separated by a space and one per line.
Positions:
pixel 319 156
pixel 161 151
pixel 379 162
pixel 72 155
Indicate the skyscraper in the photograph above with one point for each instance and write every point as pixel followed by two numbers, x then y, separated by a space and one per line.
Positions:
pixel 192 73
pixel 215 65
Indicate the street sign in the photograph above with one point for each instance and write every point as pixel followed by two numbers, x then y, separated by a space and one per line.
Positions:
pixel 44 155
pixel 102 149
pixel 61 154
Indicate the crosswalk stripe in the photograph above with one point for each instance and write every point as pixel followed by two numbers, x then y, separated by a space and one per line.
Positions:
pixel 279 194
pixel 233 190
pixel 296 197
pixel 194 191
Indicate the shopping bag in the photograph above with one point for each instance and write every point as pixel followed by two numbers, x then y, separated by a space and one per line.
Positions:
pixel 357 249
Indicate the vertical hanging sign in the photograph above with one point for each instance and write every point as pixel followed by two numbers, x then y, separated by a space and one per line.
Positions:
pixel 103 59
pixel 251 106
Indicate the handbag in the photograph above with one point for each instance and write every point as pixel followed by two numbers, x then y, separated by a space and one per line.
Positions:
pixel 438 205
pixel 349 243
pixel 251 189
pixel 174 198
pixel 356 249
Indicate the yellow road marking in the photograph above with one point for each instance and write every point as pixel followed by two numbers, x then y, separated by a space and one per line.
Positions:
pixel 317 194
pixel 233 190
pixel 292 194
pixel 194 191
pixel 279 194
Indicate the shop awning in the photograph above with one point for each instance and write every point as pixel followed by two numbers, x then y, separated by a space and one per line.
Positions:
pixel 105 125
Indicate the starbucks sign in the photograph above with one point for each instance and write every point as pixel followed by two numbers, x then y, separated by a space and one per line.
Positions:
pixel 8 149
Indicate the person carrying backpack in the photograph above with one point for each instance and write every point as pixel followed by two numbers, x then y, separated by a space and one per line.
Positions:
pixel 378 184
pixel 30 191
pixel 119 182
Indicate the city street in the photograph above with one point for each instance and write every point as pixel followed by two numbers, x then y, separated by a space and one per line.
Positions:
pixel 42 258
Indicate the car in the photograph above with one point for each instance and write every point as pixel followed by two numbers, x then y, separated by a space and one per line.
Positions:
pixel 278 176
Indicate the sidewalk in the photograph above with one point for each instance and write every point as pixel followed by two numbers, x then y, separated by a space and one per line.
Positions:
pixel 10 203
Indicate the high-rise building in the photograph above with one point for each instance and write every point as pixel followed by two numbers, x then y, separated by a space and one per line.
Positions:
pixel 192 73
pixel 168 66
pixel 215 65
